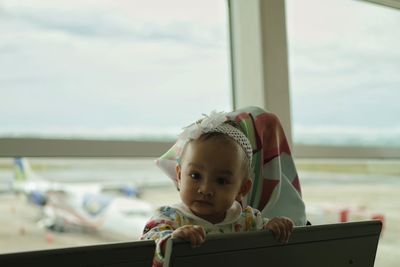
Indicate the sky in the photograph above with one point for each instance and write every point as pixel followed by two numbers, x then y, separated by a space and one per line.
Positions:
pixel 133 68
pixel 123 67
pixel 344 68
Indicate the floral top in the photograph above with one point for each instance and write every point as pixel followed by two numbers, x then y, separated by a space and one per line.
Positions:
pixel 168 218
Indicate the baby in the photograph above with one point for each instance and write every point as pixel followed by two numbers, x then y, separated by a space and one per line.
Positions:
pixel 213 177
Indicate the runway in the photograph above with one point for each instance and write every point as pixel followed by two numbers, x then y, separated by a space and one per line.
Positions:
pixel 20 230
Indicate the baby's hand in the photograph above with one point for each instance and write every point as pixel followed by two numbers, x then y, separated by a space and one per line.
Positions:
pixel 193 233
pixel 281 227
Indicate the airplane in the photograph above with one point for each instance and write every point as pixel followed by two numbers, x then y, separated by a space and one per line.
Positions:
pixel 108 210
pixel 27 182
pixel 31 185
pixel 84 206
pixel 114 217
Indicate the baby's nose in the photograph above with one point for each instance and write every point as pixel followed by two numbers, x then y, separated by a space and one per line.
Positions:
pixel 205 189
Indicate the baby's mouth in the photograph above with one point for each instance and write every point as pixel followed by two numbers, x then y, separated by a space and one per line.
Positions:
pixel 203 202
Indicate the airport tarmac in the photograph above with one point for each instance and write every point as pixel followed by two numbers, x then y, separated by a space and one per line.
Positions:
pixel 20 230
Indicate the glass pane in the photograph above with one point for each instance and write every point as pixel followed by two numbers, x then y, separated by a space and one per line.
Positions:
pixel 344 66
pixel 355 190
pixel 111 69
pixel 52 203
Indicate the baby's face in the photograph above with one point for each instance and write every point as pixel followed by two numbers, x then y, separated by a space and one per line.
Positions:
pixel 210 177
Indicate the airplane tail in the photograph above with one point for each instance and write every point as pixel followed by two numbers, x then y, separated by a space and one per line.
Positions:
pixel 27 182
pixel 23 170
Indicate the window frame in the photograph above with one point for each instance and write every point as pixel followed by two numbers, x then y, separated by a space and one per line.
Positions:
pixel 259 67
pixel 389 3
pixel 260 72
pixel 42 147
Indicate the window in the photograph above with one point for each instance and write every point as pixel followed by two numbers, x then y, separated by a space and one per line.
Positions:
pixel 114 41
pixel 62 202
pixel 111 69
pixel 343 65
pixel 101 77
pixel 344 73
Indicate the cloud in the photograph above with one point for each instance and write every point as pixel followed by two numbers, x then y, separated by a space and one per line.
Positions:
pixel 94 19
pixel 68 65
pixel 350 136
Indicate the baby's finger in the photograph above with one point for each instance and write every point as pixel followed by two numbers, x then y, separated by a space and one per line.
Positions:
pixel 289 229
pixel 193 240
pixel 289 224
pixel 196 239
pixel 285 232
pixel 200 230
pixel 178 233
pixel 277 232
pixel 285 235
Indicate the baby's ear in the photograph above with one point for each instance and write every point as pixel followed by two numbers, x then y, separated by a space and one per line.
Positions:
pixel 178 172
pixel 244 189
pixel 178 175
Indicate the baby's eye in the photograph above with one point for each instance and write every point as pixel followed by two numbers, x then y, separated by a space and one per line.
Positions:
pixel 195 175
pixel 222 181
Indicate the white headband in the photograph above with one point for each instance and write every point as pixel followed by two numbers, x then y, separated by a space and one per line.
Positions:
pixel 215 122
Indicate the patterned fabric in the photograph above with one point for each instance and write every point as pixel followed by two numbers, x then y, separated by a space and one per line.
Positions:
pixel 168 218
pixel 215 122
pixel 238 136
pixel 276 187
